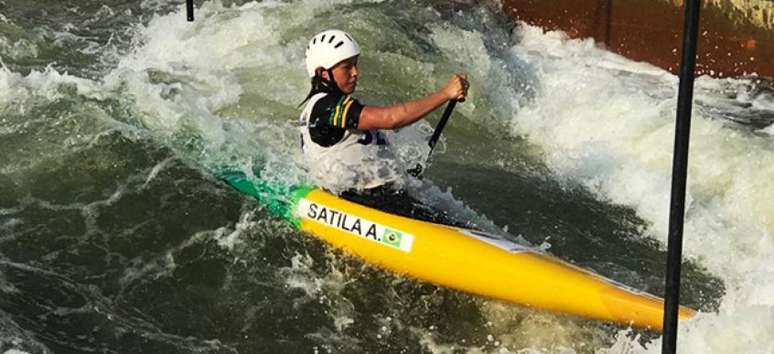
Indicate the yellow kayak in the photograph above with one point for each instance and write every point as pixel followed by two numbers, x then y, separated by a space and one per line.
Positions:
pixel 463 259
pixel 474 262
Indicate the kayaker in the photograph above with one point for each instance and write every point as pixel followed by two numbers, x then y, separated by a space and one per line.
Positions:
pixel 346 151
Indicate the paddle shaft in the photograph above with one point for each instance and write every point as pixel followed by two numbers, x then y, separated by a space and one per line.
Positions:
pixel 441 124
pixel 417 170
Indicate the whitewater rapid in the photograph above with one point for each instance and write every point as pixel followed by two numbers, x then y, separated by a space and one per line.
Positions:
pixel 225 89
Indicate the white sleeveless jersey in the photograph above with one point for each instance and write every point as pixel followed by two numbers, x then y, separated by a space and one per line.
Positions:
pixel 360 160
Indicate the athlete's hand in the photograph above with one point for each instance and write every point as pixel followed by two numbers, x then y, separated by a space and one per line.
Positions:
pixel 457 87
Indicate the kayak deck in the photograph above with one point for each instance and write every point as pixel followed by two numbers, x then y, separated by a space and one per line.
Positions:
pixel 457 258
pixel 473 262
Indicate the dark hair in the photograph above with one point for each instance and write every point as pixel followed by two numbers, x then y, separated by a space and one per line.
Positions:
pixel 320 84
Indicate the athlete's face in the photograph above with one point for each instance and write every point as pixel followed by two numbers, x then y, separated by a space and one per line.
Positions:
pixel 346 73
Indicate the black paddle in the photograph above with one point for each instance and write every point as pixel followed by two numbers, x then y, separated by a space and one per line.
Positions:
pixel 417 170
pixel 439 128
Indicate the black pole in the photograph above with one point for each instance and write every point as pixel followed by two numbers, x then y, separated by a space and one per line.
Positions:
pixel 679 176
pixel 441 124
pixel 417 170
pixel 189 10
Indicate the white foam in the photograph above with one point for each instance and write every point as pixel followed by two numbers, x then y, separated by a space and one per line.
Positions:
pixel 601 120
pixel 231 68
pixel 19 49
pixel 16 88
pixel 607 123
pixel 324 288
pixel 230 239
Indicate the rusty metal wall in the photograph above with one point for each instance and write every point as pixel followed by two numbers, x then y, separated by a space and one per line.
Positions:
pixel 651 30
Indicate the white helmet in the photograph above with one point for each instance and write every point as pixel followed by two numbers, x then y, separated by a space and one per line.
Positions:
pixel 328 48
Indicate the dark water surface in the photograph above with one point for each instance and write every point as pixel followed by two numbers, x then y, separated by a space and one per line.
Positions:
pixel 114 237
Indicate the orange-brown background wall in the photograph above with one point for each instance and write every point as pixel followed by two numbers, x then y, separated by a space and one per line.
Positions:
pixel 651 30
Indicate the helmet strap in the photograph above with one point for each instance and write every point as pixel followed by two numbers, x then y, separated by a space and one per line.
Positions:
pixel 331 82
pixel 320 84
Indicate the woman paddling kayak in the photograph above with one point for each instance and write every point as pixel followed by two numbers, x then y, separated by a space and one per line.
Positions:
pixel 345 150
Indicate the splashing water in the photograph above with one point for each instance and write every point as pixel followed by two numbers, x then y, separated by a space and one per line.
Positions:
pixel 109 143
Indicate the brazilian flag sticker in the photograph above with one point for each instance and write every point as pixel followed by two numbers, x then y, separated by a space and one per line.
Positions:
pixel 392 237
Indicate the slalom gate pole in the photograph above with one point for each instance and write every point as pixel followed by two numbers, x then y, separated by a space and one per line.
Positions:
pixel 189 10
pixel 679 176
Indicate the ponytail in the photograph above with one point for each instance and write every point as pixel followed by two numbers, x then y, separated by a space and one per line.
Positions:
pixel 319 84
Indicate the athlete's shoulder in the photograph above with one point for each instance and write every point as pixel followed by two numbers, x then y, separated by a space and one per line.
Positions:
pixel 337 110
pixel 328 100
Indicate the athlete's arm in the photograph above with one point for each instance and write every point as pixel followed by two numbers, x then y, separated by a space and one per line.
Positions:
pixel 405 113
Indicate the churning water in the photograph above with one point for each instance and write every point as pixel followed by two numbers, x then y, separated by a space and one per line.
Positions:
pixel 115 237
